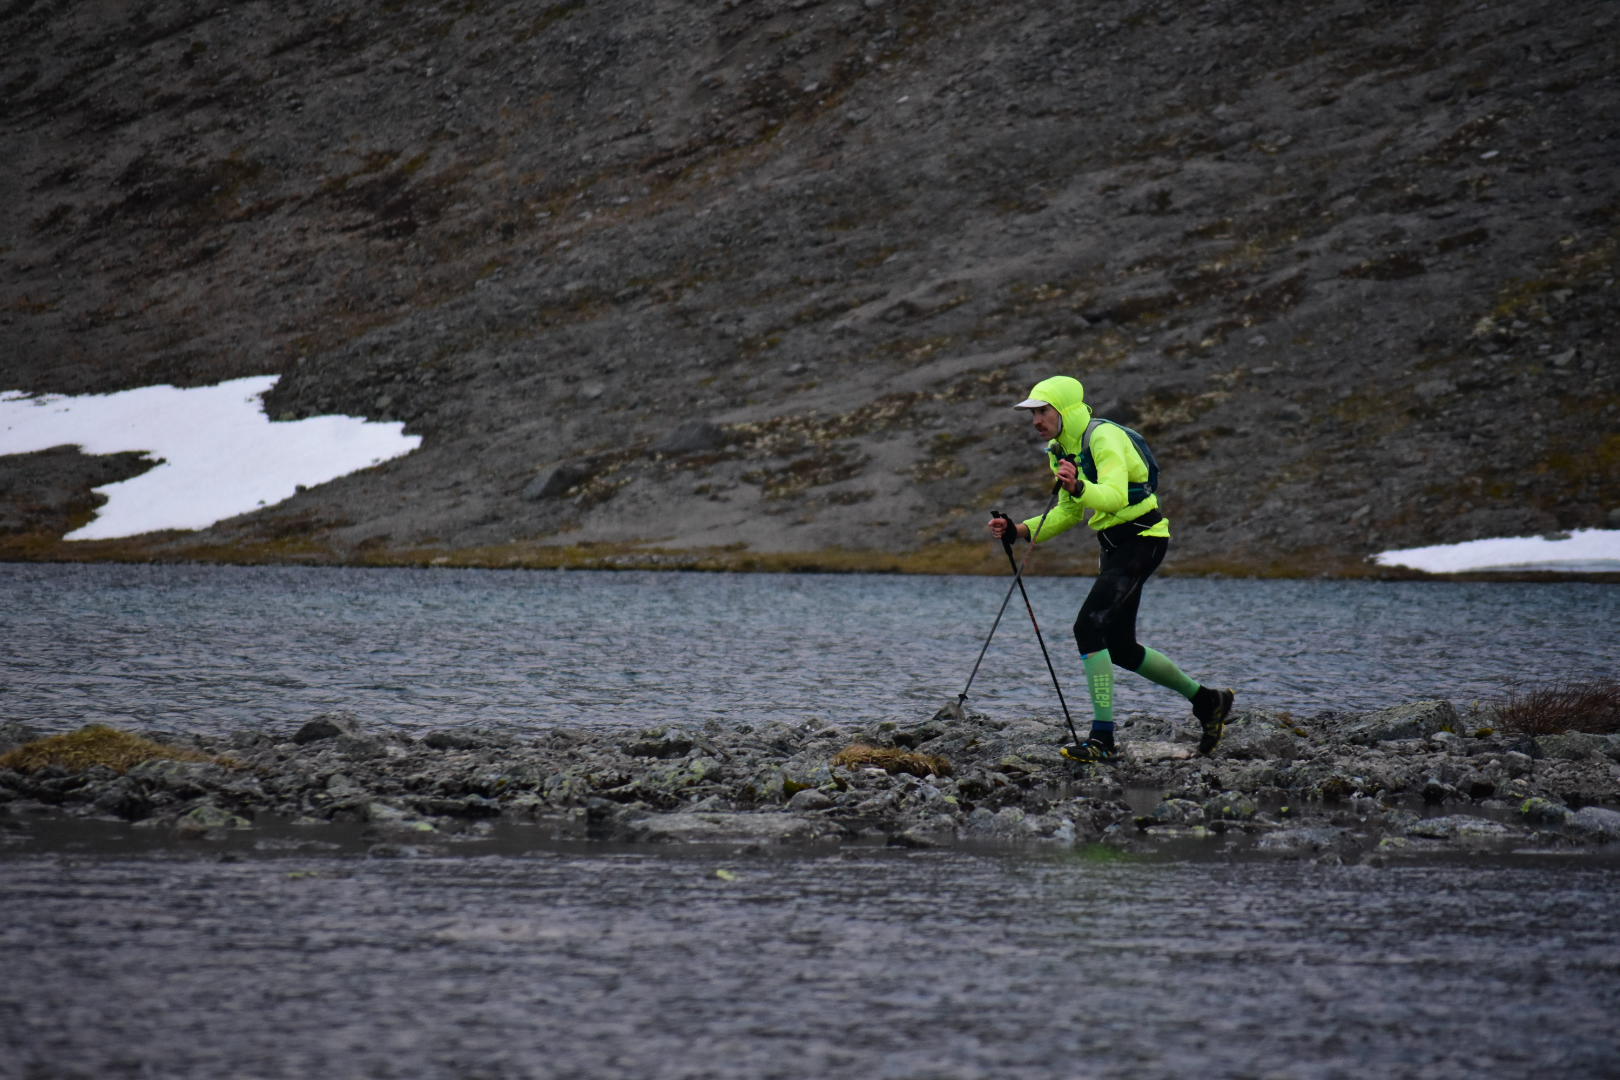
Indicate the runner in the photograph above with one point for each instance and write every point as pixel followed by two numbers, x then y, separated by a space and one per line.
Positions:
pixel 1100 468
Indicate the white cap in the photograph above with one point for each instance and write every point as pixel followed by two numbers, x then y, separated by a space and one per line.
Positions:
pixel 1032 403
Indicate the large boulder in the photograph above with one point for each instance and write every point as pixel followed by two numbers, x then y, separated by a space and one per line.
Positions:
pixel 556 482
pixel 1596 823
pixel 1253 735
pixel 1577 746
pixel 1417 720
pixel 692 437
pixel 327 725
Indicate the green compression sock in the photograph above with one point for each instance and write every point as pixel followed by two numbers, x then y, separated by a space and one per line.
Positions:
pixel 1161 669
pixel 1100 681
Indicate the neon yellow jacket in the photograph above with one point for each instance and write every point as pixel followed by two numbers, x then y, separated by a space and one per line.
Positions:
pixel 1118 465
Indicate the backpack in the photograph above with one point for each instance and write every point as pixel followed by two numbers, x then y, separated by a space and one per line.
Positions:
pixel 1088 467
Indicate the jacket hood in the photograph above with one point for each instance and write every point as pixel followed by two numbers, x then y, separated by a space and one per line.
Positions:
pixel 1069 398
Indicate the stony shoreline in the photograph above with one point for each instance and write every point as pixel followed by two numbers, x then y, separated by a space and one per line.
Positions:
pixel 1414 780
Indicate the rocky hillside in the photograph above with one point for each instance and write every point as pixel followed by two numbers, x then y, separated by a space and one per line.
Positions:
pixel 753 282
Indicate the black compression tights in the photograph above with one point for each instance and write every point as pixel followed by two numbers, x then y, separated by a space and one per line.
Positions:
pixel 1107 619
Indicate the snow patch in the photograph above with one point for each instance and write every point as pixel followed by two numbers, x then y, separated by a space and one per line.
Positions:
pixel 1582 551
pixel 220 454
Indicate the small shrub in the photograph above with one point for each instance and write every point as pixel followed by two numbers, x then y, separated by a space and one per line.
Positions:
pixel 892 760
pixel 1591 705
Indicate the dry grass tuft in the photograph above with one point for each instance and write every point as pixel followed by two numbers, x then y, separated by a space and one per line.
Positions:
pixel 1591 705
pixel 893 760
pixel 96 744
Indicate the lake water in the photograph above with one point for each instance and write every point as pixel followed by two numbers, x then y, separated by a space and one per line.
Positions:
pixel 266 957
pixel 862 964
pixel 219 649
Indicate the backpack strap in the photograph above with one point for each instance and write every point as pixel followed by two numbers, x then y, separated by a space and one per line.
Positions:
pixel 1135 492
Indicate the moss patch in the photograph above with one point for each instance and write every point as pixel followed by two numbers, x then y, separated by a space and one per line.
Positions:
pixel 892 760
pixel 96 744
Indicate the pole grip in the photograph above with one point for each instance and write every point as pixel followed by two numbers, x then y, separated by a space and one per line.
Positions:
pixel 1010 537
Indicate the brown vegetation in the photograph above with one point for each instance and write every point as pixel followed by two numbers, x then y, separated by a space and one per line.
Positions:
pixel 93 745
pixel 892 760
pixel 1591 706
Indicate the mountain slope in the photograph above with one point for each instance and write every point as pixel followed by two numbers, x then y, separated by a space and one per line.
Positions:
pixel 757 280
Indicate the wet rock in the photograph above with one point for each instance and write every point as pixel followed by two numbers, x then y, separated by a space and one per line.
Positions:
pixel 64 789
pixel 731 828
pixel 1577 746
pixel 661 742
pixel 1177 812
pixel 1304 840
pixel 910 738
pixel 1515 764
pixel 1596 823
pixel 341 786
pixel 1156 750
pixel 471 806
pixel 327 726
pixel 566 788
pixel 207 818
pixel 1230 806
pixel 1460 827
pixel 124 798
pixel 769 785
pixel 361 746
pixel 457 740
pixel 1256 736
pixel 930 832
pixel 1007 823
pixel 1436 791
pixel 381 813
pixel 810 799
pixel 1539 811
pixel 747 783
pixel 666 784
pixel 1416 720
pixel 1478 785
pixel 14 784
pixel 389 850
pixel 180 779
pixel 14 733
pixel 1017 766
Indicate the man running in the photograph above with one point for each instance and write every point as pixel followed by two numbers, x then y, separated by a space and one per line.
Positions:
pixel 1107 475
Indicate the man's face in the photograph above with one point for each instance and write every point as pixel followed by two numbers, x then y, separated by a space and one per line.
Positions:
pixel 1047 420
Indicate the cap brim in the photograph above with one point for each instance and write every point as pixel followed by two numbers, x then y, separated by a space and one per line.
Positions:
pixel 1031 403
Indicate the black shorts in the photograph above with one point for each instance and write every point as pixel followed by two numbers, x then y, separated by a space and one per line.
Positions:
pixel 1107 619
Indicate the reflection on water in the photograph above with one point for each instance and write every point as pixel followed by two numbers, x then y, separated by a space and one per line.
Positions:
pixel 860 964
pixel 226 648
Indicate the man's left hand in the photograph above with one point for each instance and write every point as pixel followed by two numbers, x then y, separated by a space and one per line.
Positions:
pixel 1068 476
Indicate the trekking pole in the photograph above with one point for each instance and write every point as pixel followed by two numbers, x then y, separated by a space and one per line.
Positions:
pixel 1018 582
pixel 1007 539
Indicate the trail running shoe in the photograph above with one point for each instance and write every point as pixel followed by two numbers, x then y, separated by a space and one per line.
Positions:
pixel 1212 707
pixel 1090 752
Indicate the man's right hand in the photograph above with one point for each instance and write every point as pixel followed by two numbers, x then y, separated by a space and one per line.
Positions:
pixel 1000 526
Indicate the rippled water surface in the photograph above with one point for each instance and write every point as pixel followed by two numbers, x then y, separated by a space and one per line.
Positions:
pixel 213 649
pixel 140 957
pixel 862 964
